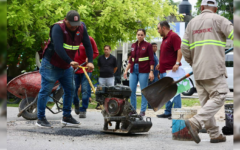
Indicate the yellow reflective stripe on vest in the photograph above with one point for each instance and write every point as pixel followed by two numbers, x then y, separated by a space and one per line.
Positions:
pixel 230 36
pixel 207 42
pixel 185 42
pixel 143 59
pixel 132 59
pixel 236 43
pixel 70 47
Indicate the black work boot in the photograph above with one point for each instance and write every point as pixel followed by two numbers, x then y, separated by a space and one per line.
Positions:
pixel 82 114
pixel 43 123
pixel 77 109
pixel 70 121
pixel 163 116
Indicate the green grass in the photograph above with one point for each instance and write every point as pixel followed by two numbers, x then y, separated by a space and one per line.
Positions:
pixel 16 105
pixel 190 102
pixel 12 105
pixel 185 103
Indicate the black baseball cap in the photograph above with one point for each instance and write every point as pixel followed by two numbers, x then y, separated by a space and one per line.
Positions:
pixel 73 18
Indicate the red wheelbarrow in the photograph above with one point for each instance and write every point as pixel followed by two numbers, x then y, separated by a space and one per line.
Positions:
pixel 27 87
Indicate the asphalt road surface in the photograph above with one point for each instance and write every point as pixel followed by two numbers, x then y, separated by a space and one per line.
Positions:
pixel 24 135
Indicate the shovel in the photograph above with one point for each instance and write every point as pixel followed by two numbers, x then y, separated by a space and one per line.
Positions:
pixel 160 92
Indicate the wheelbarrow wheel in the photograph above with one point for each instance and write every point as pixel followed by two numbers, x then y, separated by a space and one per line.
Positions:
pixel 31 112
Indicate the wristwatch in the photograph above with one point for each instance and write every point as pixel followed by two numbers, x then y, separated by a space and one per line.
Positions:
pixel 152 70
pixel 177 63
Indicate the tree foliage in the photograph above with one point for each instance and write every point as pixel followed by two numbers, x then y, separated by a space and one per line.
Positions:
pixel 108 22
pixel 174 3
pixel 3 36
pixel 225 8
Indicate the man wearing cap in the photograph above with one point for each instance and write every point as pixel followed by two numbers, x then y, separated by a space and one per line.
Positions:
pixel 203 47
pixel 58 56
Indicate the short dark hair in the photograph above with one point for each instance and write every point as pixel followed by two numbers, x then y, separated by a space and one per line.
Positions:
pixel 164 23
pixel 154 44
pixel 143 30
pixel 108 46
pixel 129 54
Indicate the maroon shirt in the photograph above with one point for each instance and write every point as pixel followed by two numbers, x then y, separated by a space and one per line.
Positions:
pixel 168 51
pixel 143 51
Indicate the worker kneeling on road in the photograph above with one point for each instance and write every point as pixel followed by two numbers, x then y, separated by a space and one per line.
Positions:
pixel 58 56
pixel 203 47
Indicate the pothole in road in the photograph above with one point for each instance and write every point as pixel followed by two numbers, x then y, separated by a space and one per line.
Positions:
pixel 63 131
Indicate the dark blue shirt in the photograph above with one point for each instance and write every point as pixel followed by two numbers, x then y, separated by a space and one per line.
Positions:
pixel 57 39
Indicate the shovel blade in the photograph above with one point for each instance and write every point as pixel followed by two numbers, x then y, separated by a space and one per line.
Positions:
pixel 160 92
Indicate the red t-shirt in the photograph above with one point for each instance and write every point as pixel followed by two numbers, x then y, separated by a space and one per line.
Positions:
pixel 168 51
pixel 82 58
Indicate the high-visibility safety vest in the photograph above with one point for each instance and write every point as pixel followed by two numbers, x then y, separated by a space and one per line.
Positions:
pixel 69 44
pixel 145 56
pixel 204 42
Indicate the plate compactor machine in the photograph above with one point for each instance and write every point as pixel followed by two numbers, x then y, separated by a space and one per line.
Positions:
pixel 116 108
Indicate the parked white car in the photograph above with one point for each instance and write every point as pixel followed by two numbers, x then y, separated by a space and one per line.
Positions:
pixel 229 68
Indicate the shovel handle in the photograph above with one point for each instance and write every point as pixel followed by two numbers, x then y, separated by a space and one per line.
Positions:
pixel 229 50
pixel 191 73
pixel 89 80
pixel 80 65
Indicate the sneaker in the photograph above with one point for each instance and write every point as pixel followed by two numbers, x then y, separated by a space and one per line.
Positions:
pixel 170 118
pixel 193 131
pixel 70 121
pixel 142 114
pixel 43 123
pixel 98 107
pixel 82 115
pixel 163 116
pixel 220 138
pixel 132 113
pixel 77 109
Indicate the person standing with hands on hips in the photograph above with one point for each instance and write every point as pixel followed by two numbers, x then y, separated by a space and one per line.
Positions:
pixel 142 67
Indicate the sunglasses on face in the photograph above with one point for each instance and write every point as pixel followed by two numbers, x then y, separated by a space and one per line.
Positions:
pixel 157 28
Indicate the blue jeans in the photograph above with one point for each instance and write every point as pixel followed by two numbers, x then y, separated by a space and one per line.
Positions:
pixel 177 101
pixel 143 79
pixel 85 90
pixel 49 75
